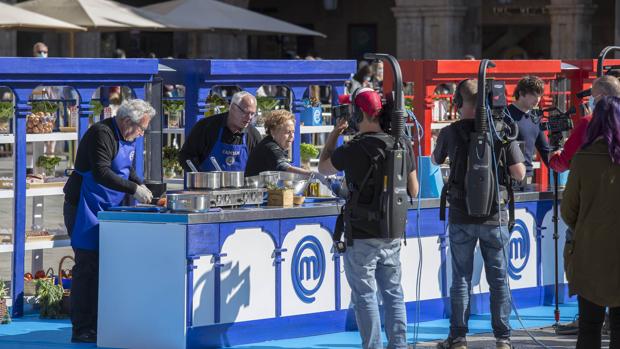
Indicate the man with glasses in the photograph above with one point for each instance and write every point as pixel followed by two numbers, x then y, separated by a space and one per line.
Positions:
pixel 104 175
pixel 228 137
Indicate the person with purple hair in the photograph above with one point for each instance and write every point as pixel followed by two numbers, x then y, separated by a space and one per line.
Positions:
pixel 590 209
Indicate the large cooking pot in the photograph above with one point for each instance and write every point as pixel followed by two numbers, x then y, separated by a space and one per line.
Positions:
pixel 188 202
pixel 232 179
pixel 203 180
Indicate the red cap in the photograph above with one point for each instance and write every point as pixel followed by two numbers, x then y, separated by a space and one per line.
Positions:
pixel 344 99
pixel 369 101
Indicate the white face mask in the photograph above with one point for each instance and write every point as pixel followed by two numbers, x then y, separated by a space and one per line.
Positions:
pixel 42 54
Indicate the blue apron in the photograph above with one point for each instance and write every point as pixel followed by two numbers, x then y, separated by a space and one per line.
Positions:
pixel 230 157
pixel 95 197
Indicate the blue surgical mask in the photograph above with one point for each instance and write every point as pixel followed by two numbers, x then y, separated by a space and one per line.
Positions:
pixel 591 104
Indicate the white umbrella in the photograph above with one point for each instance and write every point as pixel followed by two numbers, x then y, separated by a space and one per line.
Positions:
pixel 12 17
pixel 211 14
pixel 100 15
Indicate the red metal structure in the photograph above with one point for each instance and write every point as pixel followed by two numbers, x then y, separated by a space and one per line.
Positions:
pixel 427 75
pixel 582 77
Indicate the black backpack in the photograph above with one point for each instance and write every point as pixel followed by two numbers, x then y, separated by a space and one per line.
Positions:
pixel 455 188
pixel 361 212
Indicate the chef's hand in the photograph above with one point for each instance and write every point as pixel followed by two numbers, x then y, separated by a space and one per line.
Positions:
pixel 318 176
pixel 143 194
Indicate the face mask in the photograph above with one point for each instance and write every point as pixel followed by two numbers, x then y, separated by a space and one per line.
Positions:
pixel 591 104
pixel 43 54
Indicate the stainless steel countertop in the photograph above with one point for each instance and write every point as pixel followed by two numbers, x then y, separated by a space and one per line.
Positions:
pixel 266 213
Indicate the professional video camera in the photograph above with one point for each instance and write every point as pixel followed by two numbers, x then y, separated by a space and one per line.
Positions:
pixel 345 111
pixel 505 128
pixel 556 122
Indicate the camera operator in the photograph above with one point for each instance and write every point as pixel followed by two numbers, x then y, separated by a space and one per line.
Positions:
pixel 465 230
pixel 606 85
pixel 527 95
pixel 370 262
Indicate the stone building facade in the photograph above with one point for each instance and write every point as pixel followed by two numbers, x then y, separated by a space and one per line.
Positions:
pixel 429 29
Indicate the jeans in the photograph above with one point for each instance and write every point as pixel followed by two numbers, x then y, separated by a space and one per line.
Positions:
pixel 591 317
pixel 370 264
pixel 493 242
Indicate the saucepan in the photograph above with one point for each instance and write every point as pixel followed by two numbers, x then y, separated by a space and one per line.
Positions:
pixel 203 180
pixel 253 182
pixel 232 179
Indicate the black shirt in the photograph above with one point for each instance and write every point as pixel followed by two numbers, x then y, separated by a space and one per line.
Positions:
pixel 352 159
pixel 531 136
pixel 95 153
pixel 448 141
pixel 203 137
pixel 267 156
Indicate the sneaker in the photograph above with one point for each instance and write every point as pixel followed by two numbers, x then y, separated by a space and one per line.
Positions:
pixel 86 337
pixel 453 343
pixel 571 328
pixel 503 344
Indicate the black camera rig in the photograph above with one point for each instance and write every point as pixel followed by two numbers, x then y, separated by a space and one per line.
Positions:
pixel 556 122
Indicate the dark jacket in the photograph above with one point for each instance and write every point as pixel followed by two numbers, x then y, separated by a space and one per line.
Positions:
pixel 590 208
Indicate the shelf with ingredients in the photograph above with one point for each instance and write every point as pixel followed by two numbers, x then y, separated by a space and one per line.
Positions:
pixel 47 121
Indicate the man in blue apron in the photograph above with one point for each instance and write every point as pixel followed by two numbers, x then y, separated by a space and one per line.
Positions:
pixel 228 137
pixel 104 175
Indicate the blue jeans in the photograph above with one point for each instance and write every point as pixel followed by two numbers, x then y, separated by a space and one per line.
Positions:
pixel 368 264
pixel 493 242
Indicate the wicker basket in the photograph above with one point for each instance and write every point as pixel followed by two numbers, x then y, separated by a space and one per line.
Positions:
pixel 4 311
pixel 66 297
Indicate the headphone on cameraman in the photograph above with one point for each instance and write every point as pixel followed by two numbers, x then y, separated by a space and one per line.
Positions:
pixel 458 97
pixel 358 116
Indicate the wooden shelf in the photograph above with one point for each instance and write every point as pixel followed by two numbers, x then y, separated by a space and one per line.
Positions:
pixel 41 137
pixel 51 191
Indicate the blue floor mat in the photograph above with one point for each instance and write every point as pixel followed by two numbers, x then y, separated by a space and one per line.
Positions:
pixel 30 332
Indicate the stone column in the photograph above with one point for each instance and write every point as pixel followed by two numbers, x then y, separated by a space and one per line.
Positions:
pixel 571 28
pixel 433 29
pixel 8 39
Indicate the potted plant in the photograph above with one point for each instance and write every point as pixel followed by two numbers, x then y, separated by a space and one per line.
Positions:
pixel 170 162
pixel 48 164
pixel 49 297
pixel 307 152
pixel 174 110
pixel 5 317
pixel 6 114
pixel 264 105
pixel 215 105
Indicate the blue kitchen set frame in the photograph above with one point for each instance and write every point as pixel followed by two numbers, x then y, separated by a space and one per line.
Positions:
pixel 22 75
pixel 211 280
pixel 199 76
